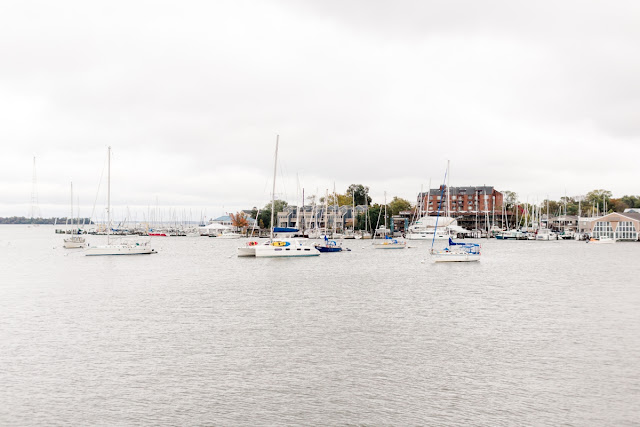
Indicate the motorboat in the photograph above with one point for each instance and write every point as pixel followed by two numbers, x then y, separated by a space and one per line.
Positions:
pixel 229 235
pixel 602 240
pixel 75 242
pixel 428 234
pixel 546 234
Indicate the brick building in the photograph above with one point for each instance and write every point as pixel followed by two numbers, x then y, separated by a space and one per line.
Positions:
pixel 471 206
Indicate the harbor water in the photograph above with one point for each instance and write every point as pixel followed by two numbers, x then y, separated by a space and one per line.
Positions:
pixel 537 333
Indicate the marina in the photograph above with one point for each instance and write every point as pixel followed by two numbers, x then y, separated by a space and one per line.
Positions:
pixel 277 213
pixel 372 333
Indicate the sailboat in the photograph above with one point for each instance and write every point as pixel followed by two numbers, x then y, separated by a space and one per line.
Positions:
pixel 123 248
pixel 455 252
pixel 387 242
pixel 76 241
pixel 281 242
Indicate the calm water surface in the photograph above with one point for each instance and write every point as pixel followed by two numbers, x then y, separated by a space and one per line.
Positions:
pixel 537 333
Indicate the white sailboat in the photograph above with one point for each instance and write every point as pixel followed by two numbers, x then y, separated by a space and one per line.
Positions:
pixel 455 252
pixel 386 242
pixel 122 248
pixel 76 241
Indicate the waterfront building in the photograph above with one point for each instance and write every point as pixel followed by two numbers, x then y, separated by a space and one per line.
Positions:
pixel 473 207
pixel 619 226
pixel 227 222
pixel 564 223
pixel 336 218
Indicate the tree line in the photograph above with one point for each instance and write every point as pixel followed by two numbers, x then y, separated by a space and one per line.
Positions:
pixel 39 221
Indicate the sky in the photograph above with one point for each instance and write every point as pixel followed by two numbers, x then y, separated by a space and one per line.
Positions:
pixel 539 98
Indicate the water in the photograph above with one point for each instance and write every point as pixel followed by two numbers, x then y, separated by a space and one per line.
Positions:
pixel 537 333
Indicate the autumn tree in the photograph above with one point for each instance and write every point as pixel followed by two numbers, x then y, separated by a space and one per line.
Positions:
pixel 239 220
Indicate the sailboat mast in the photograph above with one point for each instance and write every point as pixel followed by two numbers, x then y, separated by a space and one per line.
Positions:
pixel 385 212
pixel 71 215
pixel 448 194
pixel 108 194
pixel 273 192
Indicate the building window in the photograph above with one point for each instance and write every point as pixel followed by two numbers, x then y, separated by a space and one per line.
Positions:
pixel 602 229
pixel 626 231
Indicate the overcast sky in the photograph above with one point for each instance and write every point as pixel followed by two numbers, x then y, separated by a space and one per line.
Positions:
pixel 533 97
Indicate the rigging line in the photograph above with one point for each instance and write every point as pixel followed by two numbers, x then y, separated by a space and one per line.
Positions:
pixel 439 206
pixel 93 211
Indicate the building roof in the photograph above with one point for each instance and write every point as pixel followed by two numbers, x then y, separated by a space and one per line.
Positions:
pixel 630 215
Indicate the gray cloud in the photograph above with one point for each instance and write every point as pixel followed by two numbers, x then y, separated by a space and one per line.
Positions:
pixel 524 96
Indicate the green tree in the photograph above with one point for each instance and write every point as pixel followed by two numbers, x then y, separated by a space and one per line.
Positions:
pixel 398 205
pixel 631 201
pixel 599 197
pixel 264 218
pixel 618 205
pixel 360 192
pixel 510 198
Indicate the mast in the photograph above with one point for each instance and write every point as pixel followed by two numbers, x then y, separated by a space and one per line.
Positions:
pixel 108 194
pixel 326 212
pixel 71 213
pixel 353 213
pixel 385 213
pixel 547 211
pixel 273 192
pixel 428 196
pixel 448 194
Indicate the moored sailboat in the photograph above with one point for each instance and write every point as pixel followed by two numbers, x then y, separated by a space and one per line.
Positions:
pixel 280 244
pixel 122 248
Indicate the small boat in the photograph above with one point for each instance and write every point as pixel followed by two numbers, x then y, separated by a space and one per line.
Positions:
pixel 157 234
pixel 602 240
pixel 386 242
pixel 75 242
pixel 123 248
pixel 508 235
pixel 457 252
pixel 229 235
pixel 330 246
pixel 389 243
pixel 546 234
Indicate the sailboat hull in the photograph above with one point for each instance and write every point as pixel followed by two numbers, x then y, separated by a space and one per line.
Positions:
pixel 456 257
pixel 133 249
pixel 285 248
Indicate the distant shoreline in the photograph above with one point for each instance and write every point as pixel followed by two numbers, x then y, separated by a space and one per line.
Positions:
pixel 20 220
